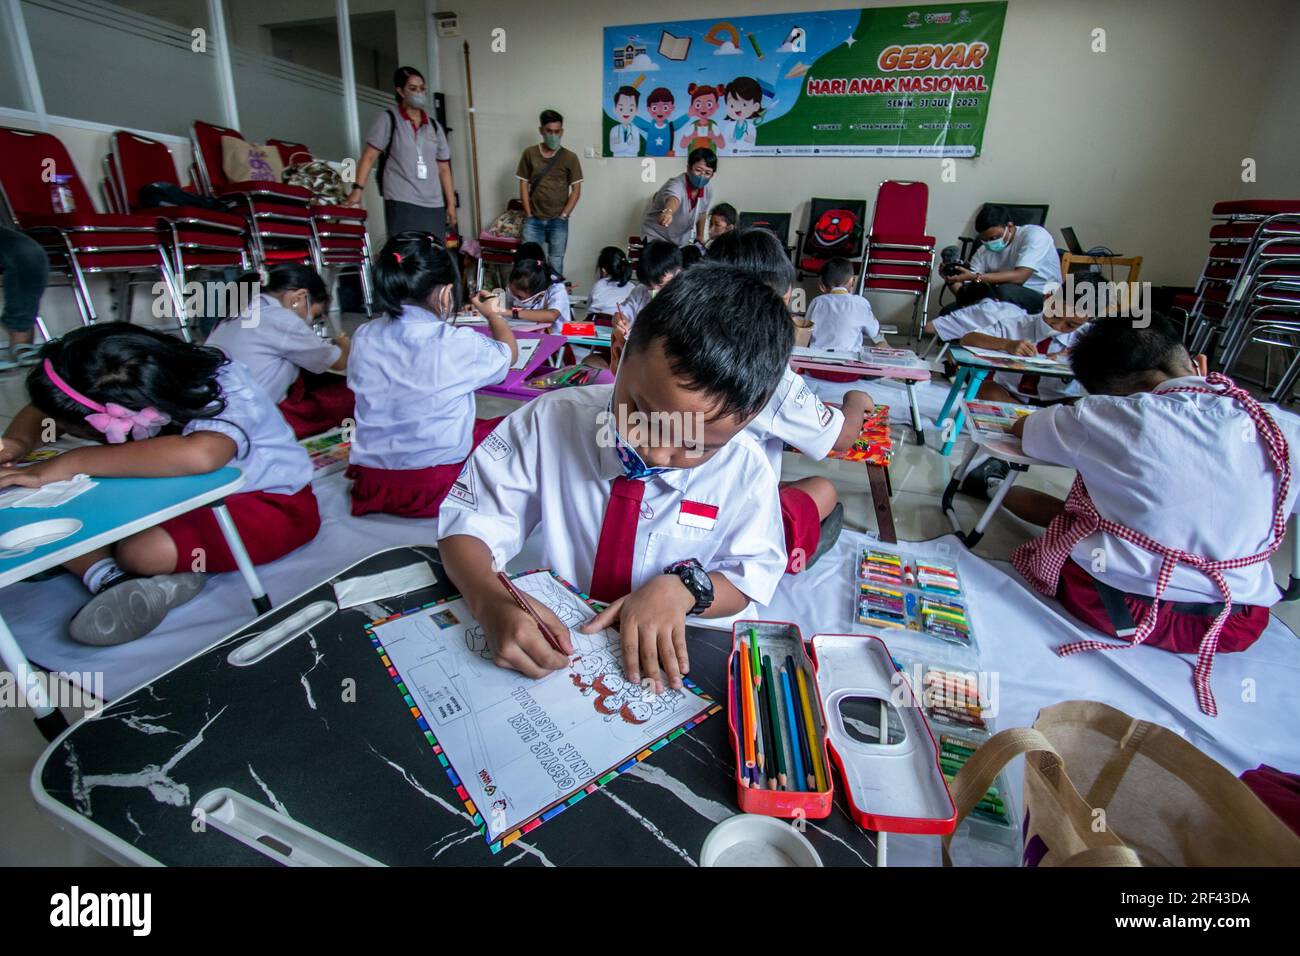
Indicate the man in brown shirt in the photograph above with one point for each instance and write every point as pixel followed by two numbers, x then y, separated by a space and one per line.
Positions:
pixel 550 184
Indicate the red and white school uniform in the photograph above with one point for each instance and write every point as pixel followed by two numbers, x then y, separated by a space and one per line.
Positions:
pixel 1049 342
pixel 841 320
pixel 551 468
pixel 1182 493
pixel 976 317
pixel 607 295
pixel 795 416
pixel 415 378
pixel 287 359
pixel 276 512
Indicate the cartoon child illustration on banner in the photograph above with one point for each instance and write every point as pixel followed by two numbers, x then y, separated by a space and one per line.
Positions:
pixel 660 128
pixel 625 137
pixel 702 133
pixel 744 111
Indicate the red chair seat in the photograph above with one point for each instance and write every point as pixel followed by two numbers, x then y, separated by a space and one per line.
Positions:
pixel 329 228
pixel 326 211
pixel 1240 232
pixel 101 261
pixel 910 273
pixel 89 219
pixel 1256 207
pixel 914 286
pixel 198 238
pixel 900 239
pixel 278 228
pixel 267 210
pixel 287 255
pixel 210 259
pixel 197 216
pixel 265 188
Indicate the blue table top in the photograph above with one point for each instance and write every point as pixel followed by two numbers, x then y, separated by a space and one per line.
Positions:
pixel 1008 364
pixel 114 505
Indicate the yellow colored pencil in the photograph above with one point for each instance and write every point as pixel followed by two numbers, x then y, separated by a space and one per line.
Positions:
pixel 819 775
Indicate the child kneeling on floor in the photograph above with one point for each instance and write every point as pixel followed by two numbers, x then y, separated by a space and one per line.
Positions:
pixel 414 375
pixel 163 408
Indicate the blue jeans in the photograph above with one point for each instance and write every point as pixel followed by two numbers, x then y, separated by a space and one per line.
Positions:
pixel 553 234
pixel 26 270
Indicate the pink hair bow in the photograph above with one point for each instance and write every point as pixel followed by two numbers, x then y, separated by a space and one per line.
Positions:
pixel 117 422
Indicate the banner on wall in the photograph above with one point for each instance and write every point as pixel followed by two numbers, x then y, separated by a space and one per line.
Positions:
pixel 885 81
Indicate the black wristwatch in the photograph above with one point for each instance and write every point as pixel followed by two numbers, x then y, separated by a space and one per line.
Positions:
pixel 692 574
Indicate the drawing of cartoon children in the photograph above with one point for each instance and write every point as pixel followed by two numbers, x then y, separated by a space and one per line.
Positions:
pixel 625 137
pixel 744 99
pixel 661 105
pixel 702 132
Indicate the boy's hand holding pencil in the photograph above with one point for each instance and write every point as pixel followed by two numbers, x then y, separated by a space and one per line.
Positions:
pixel 524 634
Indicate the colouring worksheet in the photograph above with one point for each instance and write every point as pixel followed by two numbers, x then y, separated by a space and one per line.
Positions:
pixel 519 745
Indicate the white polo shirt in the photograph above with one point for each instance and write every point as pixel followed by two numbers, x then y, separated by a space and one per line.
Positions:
pixel 554 296
pixel 1185 469
pixel 607 295
pixel 840 319
pixel 794 415
pixel 545 470
pixel 634 303
pixel 414 379
pixel 975 318
pixel 1033 328
pixel 266 451
pixel 1032 247
pixel 275 344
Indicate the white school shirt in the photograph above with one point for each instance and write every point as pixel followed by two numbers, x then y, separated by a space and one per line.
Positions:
pixel 266 451
pixel 274 344
pixel 631 307
pixel 606 295
pixel 1033 328
pixel 840 319
pixel 975 318
pixel 794 415
pixel 1032 247
pixel 1181 469
pixel 414 379
pixel 554 296
pixel 551 464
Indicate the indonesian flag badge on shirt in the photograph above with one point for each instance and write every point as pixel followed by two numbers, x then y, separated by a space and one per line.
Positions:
pixel 696 514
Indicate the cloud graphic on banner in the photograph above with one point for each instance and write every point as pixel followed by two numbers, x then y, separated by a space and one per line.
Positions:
pixel 641 62
pixel 727 48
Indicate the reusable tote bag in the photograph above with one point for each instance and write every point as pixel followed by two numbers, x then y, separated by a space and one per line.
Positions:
pixel 1103 789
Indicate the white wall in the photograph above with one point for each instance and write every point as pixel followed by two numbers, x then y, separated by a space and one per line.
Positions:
pixel 1131 146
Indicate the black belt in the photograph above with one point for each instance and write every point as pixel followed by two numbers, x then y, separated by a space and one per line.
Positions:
pixel 1112 600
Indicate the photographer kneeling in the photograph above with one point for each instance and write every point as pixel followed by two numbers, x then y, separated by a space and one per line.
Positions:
pixel 1019 263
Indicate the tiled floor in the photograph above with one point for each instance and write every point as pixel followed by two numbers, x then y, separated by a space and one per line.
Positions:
pixel 919 477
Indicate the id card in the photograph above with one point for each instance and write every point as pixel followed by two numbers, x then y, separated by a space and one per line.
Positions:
pixel 421 170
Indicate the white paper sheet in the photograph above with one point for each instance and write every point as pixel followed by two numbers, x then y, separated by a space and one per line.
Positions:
pixel 47 496
pixel 1037 362
pixel 526 349
pixel 520 745
pixel 351 592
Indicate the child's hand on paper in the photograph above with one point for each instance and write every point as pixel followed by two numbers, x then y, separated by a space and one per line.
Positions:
pixel 1021 347
pixel 652 622
pixel 515 640
pixel 11 450
pixel 38 474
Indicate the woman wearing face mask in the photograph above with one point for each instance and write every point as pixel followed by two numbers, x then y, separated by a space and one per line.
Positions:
pixel 550 185
pixel 1019 263
pixel 407 150
pixel 679 211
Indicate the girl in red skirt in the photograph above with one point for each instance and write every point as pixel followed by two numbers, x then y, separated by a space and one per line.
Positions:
pixel 292 364
pixel 414 375
pixel 161 408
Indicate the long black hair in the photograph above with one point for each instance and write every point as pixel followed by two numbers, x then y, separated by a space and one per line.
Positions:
pixel 409 268
pixel 532 270
pixel 286 277
pixel 613 263
pixel 131 366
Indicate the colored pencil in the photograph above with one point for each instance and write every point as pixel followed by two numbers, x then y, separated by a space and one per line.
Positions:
pixel 774 721
pixel 738 712
pixel 792 723
pixel 800 734
pixel 810 727
pixel 765 733
pixel 528 608
pixel 760 751
pixel 753 661
pixel 747 704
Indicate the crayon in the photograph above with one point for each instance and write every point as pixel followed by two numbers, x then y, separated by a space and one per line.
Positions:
pixel 754 43
pixel 792 725
pixel 810 727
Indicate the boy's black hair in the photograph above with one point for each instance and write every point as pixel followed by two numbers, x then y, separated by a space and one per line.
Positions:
pixel 992 214
pixel 759 251
pixel 284 277
pixel 131 366
pixel 549 116
pixel 407 270
pixel 968 293
pixel 658 259
pixel 625 90
pixel 726 212
pixel 837 272
pixel 691 255
pixel 1112 356
pixel 724 333
pixel 703 153
pixel 612 261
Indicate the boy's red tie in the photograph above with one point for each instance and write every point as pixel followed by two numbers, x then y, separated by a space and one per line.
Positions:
pixel 611 578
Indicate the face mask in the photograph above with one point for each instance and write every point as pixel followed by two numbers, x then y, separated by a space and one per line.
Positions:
pixel 698 182
pixel 997 245
pixel 634 465
pixel 551 141
pixel 417 101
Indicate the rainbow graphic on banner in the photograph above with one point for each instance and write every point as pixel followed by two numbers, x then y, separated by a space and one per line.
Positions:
pixel 555 809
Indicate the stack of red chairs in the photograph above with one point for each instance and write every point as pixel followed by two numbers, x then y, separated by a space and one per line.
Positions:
pixel 340 231
pixel 278 215
pixel 495 250
pixel 83 241
pixel 900 256
pixel 197 238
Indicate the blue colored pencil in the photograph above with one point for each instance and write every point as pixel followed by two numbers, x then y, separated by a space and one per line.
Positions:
pixel 796 782
pixel 804 753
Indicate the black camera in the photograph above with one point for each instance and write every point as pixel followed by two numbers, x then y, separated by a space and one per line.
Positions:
pixel 950 263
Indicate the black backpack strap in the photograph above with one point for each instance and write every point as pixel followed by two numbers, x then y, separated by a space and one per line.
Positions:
pixel 383 157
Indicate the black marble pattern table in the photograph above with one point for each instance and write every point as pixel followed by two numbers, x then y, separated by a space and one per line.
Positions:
pixel 354 765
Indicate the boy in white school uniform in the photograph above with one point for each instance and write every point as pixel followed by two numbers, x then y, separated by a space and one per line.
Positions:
pixel 983 309
pixel 1173 466
pixel 668 513
pixel 841 320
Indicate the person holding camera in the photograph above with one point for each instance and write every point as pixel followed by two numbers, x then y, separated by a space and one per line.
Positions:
pixel 1018 263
